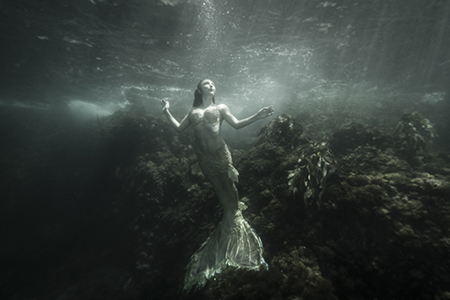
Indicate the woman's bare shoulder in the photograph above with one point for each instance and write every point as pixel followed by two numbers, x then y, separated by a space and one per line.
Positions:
pixel 222 107
pixel 193 110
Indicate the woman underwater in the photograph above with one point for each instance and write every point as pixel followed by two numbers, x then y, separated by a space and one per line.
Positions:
pixel 233 242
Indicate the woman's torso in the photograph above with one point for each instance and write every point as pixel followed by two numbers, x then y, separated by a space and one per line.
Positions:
pixel 207 124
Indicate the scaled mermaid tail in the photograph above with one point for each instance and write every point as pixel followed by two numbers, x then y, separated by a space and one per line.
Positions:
pixel 234 242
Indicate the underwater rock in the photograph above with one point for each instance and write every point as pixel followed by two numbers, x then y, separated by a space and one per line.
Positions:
pixel 381 229
pixel 413 135
pixel 294 274
pixel 281 130
pixel 367 159
pixel 389 226
pixel 353 135
pixel 365 149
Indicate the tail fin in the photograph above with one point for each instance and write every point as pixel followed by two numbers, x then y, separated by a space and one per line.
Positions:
pixel 235 245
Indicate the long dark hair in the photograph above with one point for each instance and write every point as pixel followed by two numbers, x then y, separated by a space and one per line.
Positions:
pixel 198 99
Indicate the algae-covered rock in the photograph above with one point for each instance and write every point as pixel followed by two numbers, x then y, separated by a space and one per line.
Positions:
pixel 293 275
pixel 380 235
pixel 282 130
pixel 413 134
pixel 354 135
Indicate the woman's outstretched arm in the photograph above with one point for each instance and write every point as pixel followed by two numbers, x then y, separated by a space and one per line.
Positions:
pixel 179 127
pixel 236 124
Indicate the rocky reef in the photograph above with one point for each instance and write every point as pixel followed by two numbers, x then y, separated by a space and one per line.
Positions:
pixel 362 215
pixel 379 231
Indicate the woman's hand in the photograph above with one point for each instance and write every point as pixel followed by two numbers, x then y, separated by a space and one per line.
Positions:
pixel 265 112
pixel 165 104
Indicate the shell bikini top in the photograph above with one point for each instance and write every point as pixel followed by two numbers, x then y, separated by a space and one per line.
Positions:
pixel 210 115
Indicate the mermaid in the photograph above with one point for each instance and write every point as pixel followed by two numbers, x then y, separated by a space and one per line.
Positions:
pixel 234 242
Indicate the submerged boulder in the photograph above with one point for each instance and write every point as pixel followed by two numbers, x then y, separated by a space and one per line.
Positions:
pixel 282 130
pixel 353 135
pixel 413 135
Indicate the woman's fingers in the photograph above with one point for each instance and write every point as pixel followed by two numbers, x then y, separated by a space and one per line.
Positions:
pixel 165 103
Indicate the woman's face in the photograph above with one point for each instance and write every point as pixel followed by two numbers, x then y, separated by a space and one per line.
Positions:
pixel 207 87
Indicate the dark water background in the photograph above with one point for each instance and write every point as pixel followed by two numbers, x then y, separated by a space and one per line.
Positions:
pixel 66 63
